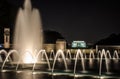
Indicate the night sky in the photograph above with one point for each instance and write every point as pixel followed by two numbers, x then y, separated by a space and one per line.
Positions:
pixel 89 20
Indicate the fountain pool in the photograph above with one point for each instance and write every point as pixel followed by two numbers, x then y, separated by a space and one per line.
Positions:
pixel 95 65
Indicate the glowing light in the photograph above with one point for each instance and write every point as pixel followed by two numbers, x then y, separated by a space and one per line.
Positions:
pixel 81 44
pixel 101 77
pixel 28 33
pixel 28 58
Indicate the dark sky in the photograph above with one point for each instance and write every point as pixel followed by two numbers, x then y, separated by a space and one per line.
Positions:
pixel 88 20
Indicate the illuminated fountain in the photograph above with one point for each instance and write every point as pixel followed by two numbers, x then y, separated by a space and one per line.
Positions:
pixel 79 55
pixel 101 62
pixel 28 33
pixel 115 55
pixel 68 55
pixel 52 55
pixel 106 58
pixel 27 50
pixel 57 57
pixel 91 58
pixel 42 53
pixel 2 52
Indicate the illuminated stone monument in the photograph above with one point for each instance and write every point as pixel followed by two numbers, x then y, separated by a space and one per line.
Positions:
pixel 6 38
pixel 61 44
pixel 49 47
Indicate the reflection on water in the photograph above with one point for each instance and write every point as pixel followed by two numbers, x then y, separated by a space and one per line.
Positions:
pixel 30 75
pixel 14 75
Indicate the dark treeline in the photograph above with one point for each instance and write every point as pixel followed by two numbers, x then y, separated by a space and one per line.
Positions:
pixel 113 39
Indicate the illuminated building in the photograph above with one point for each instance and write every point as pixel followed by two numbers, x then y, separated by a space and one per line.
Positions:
pixel 79 44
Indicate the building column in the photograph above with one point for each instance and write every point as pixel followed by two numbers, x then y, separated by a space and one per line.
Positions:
pixel 6 38
pixel 61 44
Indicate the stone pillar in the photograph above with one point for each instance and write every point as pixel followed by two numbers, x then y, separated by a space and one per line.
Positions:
pixel 49 47
pixel 6 38
pixel 60 44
